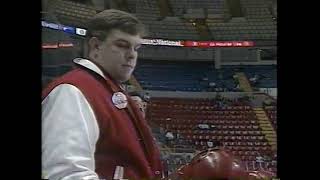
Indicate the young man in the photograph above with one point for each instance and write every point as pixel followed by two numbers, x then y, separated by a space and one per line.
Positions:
pixel 91 128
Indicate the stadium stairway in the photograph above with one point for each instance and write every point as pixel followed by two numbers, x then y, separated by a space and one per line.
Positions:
pixel 266 126
pixel 243 82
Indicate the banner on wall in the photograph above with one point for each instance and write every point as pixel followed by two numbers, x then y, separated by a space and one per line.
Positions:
pixel 56 45
pixel 156 42
pixel 201 44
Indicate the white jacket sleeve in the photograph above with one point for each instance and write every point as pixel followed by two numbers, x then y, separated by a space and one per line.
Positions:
pixel 69 135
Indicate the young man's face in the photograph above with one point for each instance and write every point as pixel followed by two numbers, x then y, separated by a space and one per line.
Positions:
pixel 118 54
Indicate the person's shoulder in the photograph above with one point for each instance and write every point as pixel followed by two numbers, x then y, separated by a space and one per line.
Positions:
pixel 64 90
pixel 66 87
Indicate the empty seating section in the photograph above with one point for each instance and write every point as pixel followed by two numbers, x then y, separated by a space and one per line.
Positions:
pixel 234 124
pixel 51 72
pixel 267 54
pixel 174 28
pixel 243 30
pixel 51 36
pixel 148 12
pixel 73 13
pixel 257 9
pixel 266 75
pixel 55 62
pixel 132 4
pixel 257 24
pixel 176 53
pixel 199 76
pixel 238 55
pixel 183 76
pixel 180 7
pixel 179 29
pixel 168 27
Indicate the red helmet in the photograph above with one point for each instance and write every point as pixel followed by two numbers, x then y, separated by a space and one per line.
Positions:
pixel 212 164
